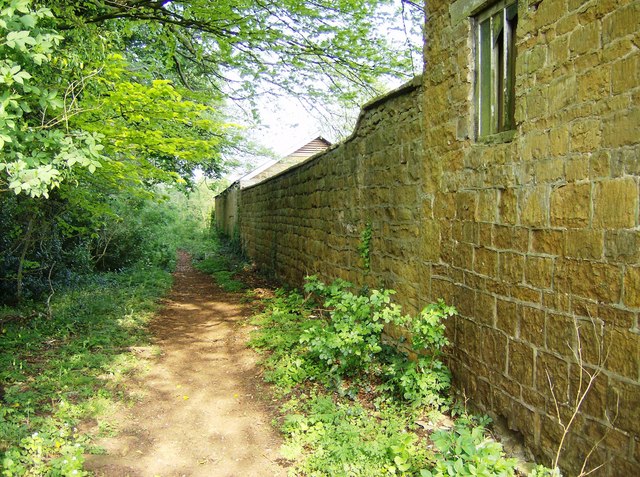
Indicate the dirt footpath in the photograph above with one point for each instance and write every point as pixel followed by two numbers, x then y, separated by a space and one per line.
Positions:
pixel 204 410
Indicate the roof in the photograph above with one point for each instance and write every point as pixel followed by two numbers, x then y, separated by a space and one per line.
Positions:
pixel 273 167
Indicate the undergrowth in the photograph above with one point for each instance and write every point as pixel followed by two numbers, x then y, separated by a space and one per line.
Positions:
pixel 222 265
pixel 60 367
pixel 353 404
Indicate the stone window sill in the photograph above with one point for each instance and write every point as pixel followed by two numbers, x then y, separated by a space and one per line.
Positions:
pixel 498 138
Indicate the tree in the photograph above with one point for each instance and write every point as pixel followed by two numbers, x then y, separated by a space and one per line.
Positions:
pixel 35 150
pixel 101 100
pixel 245 46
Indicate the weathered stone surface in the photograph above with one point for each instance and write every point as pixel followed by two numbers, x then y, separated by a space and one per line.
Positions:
pixel 521 363
pixel 535 207
pixel 632 287
pixel 616 203
pixel 584 243
pixel 571 205
pixel 538 271
pixel 622 245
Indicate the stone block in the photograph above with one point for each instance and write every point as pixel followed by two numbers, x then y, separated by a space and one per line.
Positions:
pixel 622 129
pixel 631 296
pixel 493 348
pixel 559 50
pixel 485 309
pixel 535 146
pixel 552 373
pixel 510 238
pixel 487 208
pixel 621 22
pixel 571 205
pixel 485 261
pixel 444 206
pixel 566 24
pixel 595 84
pixel 623 400
pixel 535 206
pixel 521 363
pixel 538 271
pixel 507 316
pixel 547 241
pixel 561 92
pixel 526 421
pixel 596 281
pixel 463 256
pixel 430 249
pixel 525 293
pixel 532 326
pixel 466 204
pixel 548 13
pixel 508 206
pixel 616 203
pixel 600 165
pixel 550 170
pixel 511 267
pixel 625 75
pixel 560 335
pixel 584 39
pixel 586 135
pixel 584 243
pixel 559 141
pixel 577 168
pixel 622 349
pixel 622 246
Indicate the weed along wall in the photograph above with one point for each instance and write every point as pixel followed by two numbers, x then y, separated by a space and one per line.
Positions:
pixel 530 229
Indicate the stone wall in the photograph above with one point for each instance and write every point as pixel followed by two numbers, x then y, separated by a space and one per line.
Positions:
pixel 541 233
pixel 227 206
pixel 309 219
pixel 535 240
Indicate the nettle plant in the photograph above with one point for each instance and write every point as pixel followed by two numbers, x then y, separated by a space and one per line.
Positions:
pixel 346 338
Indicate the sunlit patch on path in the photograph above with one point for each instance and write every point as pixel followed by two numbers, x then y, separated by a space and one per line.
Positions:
pixel 202 411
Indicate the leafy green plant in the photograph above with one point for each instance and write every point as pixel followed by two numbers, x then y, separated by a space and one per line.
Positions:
pixel 347 440
pixel 220 268
pixel 347 337
pixel 467 451
pixel 424 381
pixel 59 369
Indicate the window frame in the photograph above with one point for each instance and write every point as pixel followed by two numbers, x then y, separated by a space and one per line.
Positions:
pixel 494 35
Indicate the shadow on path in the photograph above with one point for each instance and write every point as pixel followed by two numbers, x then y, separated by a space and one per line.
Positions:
pixel 203 411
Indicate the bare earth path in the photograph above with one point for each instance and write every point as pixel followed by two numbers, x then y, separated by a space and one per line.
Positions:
pixel 204 411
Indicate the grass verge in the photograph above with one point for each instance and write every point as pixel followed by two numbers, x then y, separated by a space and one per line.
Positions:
pixel 218 259
pixel 60 368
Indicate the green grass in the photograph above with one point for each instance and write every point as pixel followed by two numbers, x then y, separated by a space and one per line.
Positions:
pixel 59 370
pixel 216 258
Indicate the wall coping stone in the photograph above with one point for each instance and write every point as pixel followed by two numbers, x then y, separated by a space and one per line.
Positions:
pixel 415 83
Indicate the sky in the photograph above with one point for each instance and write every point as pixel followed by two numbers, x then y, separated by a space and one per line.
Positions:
pixel 287 124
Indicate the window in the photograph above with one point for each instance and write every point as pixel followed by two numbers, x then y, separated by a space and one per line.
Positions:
pixel 495 34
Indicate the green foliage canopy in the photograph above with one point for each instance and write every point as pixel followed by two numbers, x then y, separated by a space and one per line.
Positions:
pixel 103 100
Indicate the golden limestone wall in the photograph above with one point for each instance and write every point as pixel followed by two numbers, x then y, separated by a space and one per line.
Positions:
pixel 309 220
pixel 542 232
pixel 527 238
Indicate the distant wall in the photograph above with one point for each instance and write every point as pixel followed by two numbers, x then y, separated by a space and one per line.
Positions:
pixel 526 237
pixel 226 210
